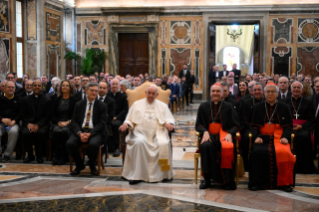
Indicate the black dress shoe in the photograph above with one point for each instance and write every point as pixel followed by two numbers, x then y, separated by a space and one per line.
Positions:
pixel 254 188
pixel 205 184
pixel 116 153
pixel 40 160
pixel 94 172
pixel 28 160
pixel 5 159
pixel 54 161
pixel 61 161
pixel 287 188
pixel 77 170
pixel 134 182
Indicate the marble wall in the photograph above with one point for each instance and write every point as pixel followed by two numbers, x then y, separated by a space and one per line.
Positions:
pixel 31 45
pixel 180 42
pixel 293 44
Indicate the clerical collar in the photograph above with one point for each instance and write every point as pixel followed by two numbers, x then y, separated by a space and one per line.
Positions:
pixel 28 94
pixel 9 98
pixel 36 96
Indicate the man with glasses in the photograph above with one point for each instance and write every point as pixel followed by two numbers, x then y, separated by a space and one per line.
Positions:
pixel 35 122
pixel 283 88
pixel 303 116
pixel 18 90
pixel 28 89
pixel 82 94
pixel 9 117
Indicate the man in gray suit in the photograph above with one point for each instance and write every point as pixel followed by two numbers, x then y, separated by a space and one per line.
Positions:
pixel 232 87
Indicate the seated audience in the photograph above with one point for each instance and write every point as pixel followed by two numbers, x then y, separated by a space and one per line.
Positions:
pixel 271 160
pixel 62 111
pixel 35 121
pixel 88 126
pixel 218 146
pixel 10 115
pixel 18 89
pixel 148 146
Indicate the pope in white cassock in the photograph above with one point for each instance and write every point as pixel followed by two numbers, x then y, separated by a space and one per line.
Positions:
pixel 148 153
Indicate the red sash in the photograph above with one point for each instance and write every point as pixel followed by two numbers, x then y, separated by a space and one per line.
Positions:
pixel 227 150
pixel 284 158
pixel 302 121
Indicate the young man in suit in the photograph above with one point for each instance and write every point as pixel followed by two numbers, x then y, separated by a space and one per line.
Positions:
pixel 186 73
pixel 121 109
pixel 35 122
pixel 237 73
pixel 213 75
pixel 283 88
pixel 223 72
pixel 82 94
pixel 88 126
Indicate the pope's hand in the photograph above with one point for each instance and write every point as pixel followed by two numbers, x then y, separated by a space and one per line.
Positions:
pixel 123 127
pixel 284 141
pixel 169 127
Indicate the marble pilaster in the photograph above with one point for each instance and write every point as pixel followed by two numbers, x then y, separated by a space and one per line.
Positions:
pixel 40 38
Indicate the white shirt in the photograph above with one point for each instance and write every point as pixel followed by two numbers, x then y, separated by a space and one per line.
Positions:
pixel 224 73
pixel 284 94
pixel 29 94
pixel 103 98
pixel 83 94
pixel 216 74
pixel 185 71
pixel 86 112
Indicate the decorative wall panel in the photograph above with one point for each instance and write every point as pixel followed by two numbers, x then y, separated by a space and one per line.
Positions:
pixel 53 27
pixel 133 19
pixel 308 30
pixel 179 57
pixel 197 32
pixel 308 61
pixel 180 32
pixel 197 67
pixel 32 20
pixel 163 61
pixel 95 33
pixel 68 27
pixel 53 53
pixel 32 60
pixel 163 36
pixel 68 63
pixel 4 56
pixel 4 16
pixel 282 30
pixel 281 60
pixel 79 37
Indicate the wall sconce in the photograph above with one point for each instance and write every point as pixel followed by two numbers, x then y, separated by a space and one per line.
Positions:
pixel 234 31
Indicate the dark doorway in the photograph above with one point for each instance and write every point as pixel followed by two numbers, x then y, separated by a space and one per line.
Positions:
pixel 133 53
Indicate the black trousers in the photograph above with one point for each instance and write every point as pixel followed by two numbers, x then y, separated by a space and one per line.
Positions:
pixel 73 143
pixel 59 138
pixel 37 139
pixel 116 134
pixel 186 94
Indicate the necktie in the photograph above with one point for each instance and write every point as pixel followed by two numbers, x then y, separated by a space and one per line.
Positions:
pixel 283 96
pixel 84 95
pixel 101 99
pixel 88 117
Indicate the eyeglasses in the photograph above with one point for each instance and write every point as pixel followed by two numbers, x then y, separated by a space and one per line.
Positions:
pixel 8 78
pixel 37 86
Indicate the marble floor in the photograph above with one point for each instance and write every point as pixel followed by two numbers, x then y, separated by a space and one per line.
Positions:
pixel 34 187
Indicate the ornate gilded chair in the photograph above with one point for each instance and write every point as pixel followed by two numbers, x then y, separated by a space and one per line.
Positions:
pixel 137 94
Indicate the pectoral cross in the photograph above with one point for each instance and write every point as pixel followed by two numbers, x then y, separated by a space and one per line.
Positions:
pixel 297 115
pixel 269 123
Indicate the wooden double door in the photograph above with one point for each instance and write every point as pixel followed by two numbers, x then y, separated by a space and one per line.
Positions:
pixel 133 53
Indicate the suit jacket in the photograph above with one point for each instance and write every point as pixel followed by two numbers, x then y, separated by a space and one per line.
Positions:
pixel 212 77
pixel 288 95
pixel 121 105
pixel 47 87
pixel 221 74
pixel 188 76
pixel 235 90
pixel 237 74
pixel 111 109
pixel 39 116
pixel 78 95
pixel 19 91
pixel 55 108
pixel 98 119
pixel 175 90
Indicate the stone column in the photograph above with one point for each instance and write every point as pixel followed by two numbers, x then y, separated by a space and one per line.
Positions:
pixel 41 54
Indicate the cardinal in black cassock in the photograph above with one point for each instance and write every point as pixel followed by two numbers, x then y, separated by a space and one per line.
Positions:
pixel 218 155
pixel 303 115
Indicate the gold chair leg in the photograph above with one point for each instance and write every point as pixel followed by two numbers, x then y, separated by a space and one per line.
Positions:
pixel 196 167
pixel 238 169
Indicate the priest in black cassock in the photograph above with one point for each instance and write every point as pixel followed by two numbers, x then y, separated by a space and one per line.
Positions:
pixel 227 98
pixel 217 123
pixel 244 113
pixel 303 116
pixel 271 161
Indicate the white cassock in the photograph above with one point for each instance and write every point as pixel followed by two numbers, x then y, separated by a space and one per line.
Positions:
pixel 148 152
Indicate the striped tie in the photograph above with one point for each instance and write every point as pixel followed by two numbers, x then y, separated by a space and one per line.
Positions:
pixel 88 117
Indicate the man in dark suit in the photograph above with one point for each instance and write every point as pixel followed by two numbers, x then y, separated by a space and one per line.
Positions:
pixel 88 126
pixel 35 121
pixel 223 72
pixel 186 73
pixel 237 73
pixel 283 88
pixel 11 77
pixel 121 110
pixel 77 84
pixel 82 94
pixel 213 76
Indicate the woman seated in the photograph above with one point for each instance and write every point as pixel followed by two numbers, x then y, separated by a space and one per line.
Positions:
pixel 62 110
